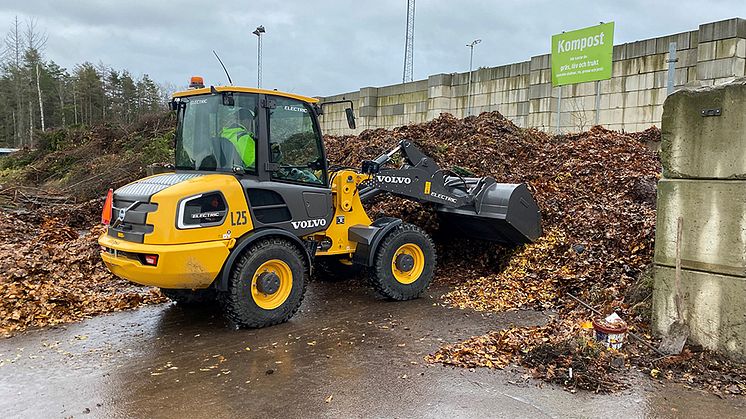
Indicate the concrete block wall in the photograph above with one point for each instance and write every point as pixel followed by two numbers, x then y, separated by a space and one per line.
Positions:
pixel 631 100
pixel 704 184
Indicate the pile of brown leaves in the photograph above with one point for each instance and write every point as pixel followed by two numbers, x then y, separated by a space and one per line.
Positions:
pixel 52 273
pixel 596 191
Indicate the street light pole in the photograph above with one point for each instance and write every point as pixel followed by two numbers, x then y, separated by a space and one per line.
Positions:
pixel 471 61
pixel 258 32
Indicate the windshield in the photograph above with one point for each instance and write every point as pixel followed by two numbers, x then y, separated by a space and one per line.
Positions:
pixel 217 132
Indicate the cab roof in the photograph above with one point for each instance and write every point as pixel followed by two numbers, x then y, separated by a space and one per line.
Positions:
pixel 206 90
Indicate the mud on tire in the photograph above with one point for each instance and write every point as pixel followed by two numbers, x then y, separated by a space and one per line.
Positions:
pixel 245 304
pixel 383 274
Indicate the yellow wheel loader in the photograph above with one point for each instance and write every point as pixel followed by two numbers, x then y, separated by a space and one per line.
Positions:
pixel 252 202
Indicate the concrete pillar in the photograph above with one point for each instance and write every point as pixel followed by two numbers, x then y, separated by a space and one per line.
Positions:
pixel 704 184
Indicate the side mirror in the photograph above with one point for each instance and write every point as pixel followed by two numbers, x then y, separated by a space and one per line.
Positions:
pixel 350 118
pixel 173 105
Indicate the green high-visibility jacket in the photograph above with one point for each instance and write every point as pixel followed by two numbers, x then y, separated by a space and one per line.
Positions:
pixel 243 140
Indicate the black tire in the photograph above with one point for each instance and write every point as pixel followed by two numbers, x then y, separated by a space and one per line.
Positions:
pixel 191 297
pixel 242 301
pixel 382 275
pixel 331 269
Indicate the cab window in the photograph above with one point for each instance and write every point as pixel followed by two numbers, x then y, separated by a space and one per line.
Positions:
pixel 217 132
pixel 294 143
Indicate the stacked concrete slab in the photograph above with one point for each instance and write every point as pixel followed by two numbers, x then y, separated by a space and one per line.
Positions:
pixel 631 100
pixel 703 153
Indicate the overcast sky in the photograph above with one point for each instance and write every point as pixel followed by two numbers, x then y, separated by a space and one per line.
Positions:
pixel 327 47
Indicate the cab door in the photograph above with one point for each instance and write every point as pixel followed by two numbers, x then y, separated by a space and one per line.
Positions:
pixel 294 193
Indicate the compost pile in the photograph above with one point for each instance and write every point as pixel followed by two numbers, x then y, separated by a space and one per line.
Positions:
pixel 52 273
pixel 49 258
pixel 596 191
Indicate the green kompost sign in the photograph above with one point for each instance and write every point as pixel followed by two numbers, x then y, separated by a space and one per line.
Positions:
pixel 582 55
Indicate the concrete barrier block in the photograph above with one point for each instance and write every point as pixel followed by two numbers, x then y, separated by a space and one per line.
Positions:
pixel 631 83
pixel 641 48
pixel 415 86
pixel 706 51
pixel 715 69
pixel 540 62
pixel 629 100
pixel 726 48
pixel 660 79
pixel 681 76
pixel 439 80
pixel 611 116
pixel 439 91
pixel 681 39
pixel 711 147
pixel 686 58
pixel 368 91
pixel 522 109
pixel 368 111
pixel 714 225
pixel 632 115
pixel 731 28
pixel 652 63
pixel 713 308
pixel 537 91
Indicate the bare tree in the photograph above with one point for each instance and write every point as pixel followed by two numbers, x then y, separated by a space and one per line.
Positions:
pixel 13 51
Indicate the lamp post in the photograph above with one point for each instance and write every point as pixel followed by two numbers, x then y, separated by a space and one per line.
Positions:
pixel 471 61
pixel 258 32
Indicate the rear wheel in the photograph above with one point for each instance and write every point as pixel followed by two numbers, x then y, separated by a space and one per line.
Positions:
pixel 267 284
pixel 404 263
pixel 190 297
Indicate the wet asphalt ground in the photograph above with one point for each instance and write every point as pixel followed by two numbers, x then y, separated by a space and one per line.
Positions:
pixel 345 354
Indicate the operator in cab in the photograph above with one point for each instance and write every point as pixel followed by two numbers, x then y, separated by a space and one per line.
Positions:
pixel 238 129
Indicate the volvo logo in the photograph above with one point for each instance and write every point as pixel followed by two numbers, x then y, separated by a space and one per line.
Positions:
pixel 308 223
pixel 394 179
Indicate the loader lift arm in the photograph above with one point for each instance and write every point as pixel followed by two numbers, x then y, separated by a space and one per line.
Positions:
pixel 419 179
pixel 475 207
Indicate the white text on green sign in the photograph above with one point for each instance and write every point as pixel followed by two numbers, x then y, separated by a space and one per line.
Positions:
pixel 582 55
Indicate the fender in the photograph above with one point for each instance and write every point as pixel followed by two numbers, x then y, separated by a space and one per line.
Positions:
pixel 369 237
pixel 249 238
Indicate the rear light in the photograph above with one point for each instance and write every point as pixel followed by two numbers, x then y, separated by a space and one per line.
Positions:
pixel 151 260
pixel 106 211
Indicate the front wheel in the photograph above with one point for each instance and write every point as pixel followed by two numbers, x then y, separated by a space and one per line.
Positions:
pixel 267 284
pixel 404 263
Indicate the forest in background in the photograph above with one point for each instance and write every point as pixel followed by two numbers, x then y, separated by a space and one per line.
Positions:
pixel 41 95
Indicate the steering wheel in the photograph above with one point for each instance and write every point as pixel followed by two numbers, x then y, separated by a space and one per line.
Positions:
pixel 299 173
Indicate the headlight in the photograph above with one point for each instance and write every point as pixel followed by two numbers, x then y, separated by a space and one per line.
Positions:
pixel 203 210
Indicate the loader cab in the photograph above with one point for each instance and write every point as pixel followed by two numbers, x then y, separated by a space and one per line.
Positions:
pixel 269 141
pixel 250 133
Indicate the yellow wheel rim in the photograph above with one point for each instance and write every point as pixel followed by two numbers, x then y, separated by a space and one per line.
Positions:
pixel 407 277
pixel 274 300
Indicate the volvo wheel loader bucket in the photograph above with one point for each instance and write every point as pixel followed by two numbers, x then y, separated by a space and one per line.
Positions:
pixel 500 212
